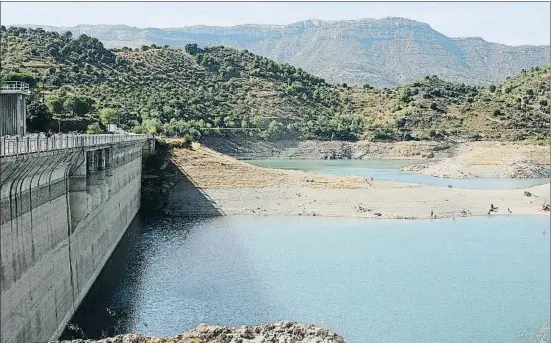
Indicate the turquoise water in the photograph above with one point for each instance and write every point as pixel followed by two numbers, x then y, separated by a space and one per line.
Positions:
pixel 389 170
pixel 453 281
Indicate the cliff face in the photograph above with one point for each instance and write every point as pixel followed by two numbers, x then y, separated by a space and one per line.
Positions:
pixel 203 333
pixel 385 52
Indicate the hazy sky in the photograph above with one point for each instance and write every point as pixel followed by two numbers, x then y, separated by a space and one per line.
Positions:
pixel 508 23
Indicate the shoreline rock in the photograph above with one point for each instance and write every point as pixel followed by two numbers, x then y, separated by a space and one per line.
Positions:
pixel 244 149
pixel 281 332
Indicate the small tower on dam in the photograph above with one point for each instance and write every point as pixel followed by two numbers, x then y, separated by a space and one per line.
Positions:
pixel 13 112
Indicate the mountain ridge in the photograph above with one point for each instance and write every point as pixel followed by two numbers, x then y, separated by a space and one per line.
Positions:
pixel 380 52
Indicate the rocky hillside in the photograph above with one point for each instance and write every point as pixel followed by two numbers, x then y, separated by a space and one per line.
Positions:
pixel 218 90
pixel 382 53
pixel 203 333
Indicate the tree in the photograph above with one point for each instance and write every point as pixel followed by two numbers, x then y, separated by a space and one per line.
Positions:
pixel 492 88
pixel 26 77
pixel 93 128
pixel 71 104
pixel 275 130
pixel 55 105
pixel 108 115
pixel 78 105
pixel 52 51
pixel 39 116
pixel 66 50
pixel 67 35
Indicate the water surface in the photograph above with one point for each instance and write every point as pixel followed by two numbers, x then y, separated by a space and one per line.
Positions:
pixel 389 170
pixel 453 281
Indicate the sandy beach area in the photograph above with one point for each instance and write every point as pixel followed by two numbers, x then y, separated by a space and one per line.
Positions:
pixel 233 187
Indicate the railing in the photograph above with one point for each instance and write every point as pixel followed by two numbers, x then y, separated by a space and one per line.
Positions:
pixel 15 145
pixel 15 86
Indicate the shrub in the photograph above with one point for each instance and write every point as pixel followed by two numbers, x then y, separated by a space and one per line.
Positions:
pixel 108 115
pixel 94 128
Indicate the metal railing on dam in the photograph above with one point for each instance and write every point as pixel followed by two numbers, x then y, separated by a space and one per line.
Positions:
pixel 17 145
pixel 14 86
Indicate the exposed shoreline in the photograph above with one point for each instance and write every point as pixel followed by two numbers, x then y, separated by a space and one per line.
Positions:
pixel 245 149
pixel 484 159
pixel 211 183
pixel 489 160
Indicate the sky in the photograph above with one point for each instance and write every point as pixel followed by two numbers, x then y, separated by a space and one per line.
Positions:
pixel 511 23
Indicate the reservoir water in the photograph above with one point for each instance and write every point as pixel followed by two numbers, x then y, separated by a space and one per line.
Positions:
pixel 389 170
pixel 453 281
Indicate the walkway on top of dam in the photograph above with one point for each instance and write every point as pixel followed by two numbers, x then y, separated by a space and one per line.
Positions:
pixel 35 143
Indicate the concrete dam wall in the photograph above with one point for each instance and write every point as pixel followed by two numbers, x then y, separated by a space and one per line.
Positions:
pixel 63 212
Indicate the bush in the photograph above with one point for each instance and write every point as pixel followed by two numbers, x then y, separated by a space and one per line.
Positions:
pixel 108 115
pixel 94 128
pixel 383 132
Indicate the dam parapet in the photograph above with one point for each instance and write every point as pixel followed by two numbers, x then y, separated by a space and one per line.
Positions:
pixel 66 201
pixel 36 143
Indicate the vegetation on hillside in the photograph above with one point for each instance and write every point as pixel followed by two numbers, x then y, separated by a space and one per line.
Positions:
pixel 384 52
pixel 216 90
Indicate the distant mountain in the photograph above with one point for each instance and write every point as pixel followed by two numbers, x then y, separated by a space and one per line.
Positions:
pixel 385 52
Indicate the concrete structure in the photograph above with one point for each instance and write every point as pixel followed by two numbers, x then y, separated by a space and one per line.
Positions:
pixel 65 203
pixel 13 113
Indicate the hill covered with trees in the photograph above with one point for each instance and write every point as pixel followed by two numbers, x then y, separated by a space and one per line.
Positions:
pixel 215 90
pixel 381 52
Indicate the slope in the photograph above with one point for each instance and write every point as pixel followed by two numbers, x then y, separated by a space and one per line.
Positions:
pixel 216 90
pixel 384 52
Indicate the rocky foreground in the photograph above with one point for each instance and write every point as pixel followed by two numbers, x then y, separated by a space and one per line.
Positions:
pixel 282 332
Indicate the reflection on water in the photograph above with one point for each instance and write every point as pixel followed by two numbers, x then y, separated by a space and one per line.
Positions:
pixel 473 279
pixel 389 170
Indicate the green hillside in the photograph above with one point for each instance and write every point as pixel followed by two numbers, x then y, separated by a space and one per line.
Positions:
pixel 382 52
pixel 217 90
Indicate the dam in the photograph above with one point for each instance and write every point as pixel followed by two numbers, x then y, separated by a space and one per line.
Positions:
pixel 66 201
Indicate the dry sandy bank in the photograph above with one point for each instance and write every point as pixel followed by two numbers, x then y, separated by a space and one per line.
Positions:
pixel 490 159
pixel 225 185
